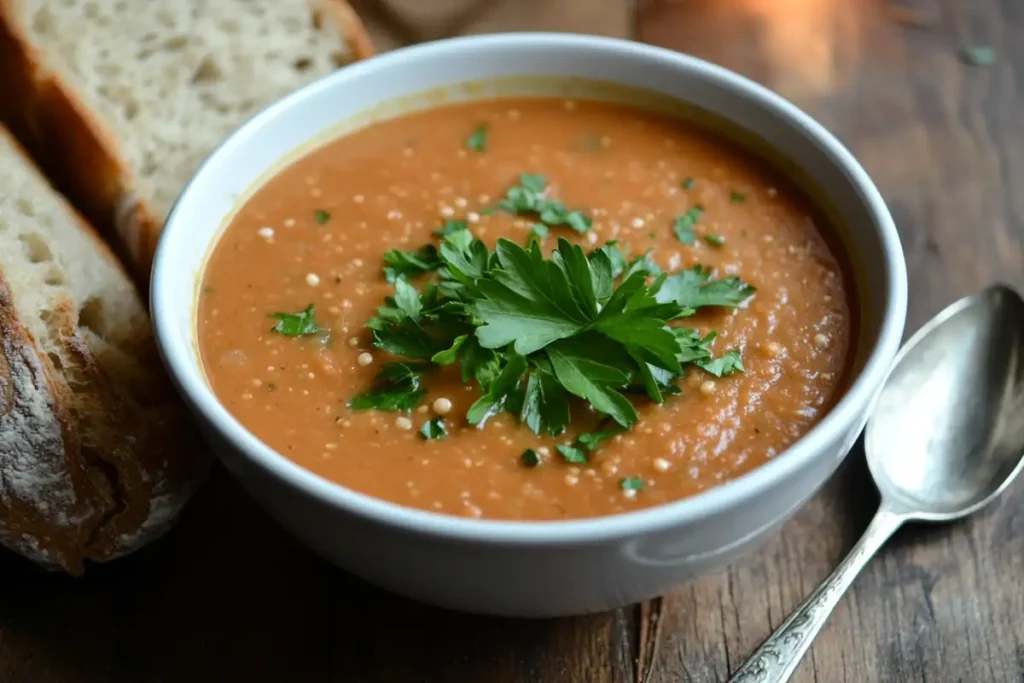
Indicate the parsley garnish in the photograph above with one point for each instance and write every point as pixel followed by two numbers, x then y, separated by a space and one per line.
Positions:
pixel 688 183
pixel 451 226
pixel 529 458
pixel 685 223
pixel 737 197
pixel 434 429
pixel 535 331
pixel 714 240
pixel 409 264
pixel 538 232
pixel 502 392
pixel 616 257
pixel 724 365
pixel 528 198
pixel 632 484
pixel 572 453
pixel 478 140
pixel 643 264
pixel 592 440
pixel 400 327
pixel 295 324
pixel 545 405
pixel 396 387
pixel 692 289
pixel 586 443
pixel 322 216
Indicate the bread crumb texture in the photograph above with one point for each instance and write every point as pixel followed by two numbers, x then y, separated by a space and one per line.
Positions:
pixel 95 456
pixel 175 78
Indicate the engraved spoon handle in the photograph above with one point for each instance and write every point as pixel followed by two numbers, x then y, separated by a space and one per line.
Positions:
pixel 777 658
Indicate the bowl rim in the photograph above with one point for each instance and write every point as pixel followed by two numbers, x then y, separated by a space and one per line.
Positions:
pixel 859 395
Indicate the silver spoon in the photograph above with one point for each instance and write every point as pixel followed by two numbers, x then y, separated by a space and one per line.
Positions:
pixel 945 438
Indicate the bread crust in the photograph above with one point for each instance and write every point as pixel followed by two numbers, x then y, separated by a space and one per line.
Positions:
pixel 67 489
pixel 83 157
pixel 97 456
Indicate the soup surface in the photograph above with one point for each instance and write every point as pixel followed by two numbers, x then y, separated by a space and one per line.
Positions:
pixel 317 234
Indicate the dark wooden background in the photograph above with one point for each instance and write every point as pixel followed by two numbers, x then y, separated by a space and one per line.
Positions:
pixel 227 596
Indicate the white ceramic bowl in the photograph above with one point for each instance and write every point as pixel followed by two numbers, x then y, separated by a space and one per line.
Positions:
pixel 529 568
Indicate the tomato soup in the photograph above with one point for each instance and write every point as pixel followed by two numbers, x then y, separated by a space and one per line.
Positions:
pixel 497 378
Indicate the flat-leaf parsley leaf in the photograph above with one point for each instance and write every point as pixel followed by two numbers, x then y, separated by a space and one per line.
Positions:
pixel 410 264
pixel 396 387
pixel 692 289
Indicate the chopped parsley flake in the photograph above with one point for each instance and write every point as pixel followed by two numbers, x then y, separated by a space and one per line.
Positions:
pixel 726 364
pixel 434 429
pixel 714 240
pixel 572 454
pixel 632 484
pixel 396 387
pixel 529 458
pixel 737 197
pixel 295 324
pixel 684 224
pixel 528 198
pixel 688 183
pixel 322 216
pixel 592 440
pixel 477 142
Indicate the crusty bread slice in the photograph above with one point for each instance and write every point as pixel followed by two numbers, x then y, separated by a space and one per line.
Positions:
pixel 96 453
pixel 121 100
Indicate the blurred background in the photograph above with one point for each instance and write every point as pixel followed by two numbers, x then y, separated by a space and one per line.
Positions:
pixel 926 93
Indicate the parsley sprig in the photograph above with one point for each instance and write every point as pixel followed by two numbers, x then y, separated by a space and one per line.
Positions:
pixel 536 333
pixel 529 198
pixel 409 264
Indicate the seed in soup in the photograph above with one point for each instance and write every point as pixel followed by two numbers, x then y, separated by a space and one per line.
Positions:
pixel 519 309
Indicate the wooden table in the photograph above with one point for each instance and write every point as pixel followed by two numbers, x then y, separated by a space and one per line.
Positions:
pixel 229 597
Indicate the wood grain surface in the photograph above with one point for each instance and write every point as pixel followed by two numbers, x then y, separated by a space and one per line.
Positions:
pixel 229 597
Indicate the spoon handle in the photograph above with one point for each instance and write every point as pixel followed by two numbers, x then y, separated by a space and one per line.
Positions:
pixel 777 658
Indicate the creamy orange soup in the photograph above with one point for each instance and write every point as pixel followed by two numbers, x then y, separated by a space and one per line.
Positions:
pixel 317 235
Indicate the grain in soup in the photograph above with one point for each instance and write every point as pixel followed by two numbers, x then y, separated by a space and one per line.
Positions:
pixel 575 308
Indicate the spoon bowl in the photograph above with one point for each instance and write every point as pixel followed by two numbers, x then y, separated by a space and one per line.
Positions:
pixel 947 433
pixel 945 437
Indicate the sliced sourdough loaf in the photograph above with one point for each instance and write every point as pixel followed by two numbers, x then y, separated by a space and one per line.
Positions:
pixel 121 100
pixel 96 454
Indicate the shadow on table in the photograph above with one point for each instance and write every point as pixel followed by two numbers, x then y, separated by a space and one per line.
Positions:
pixel 229 596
